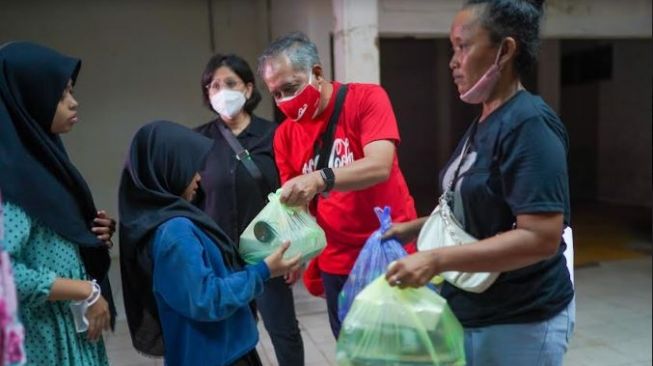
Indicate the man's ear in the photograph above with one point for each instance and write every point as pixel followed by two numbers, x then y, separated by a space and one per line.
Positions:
pixel 317 71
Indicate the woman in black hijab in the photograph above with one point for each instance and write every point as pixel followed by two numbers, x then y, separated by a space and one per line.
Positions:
pixel 182 279
pixel 57 240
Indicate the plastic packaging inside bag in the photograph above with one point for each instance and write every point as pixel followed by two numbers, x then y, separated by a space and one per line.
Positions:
pixel 277 223
pixel 390 326
pixel 372 261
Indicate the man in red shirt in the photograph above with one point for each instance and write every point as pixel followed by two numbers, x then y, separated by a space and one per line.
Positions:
pixel 362 170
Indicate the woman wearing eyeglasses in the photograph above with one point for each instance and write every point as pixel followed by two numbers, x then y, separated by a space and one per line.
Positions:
pixel 238 175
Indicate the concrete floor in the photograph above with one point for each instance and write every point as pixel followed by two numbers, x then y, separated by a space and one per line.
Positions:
pixel 613 321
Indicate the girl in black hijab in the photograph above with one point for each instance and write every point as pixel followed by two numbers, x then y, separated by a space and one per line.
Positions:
pixel 182 279
pixel 57 240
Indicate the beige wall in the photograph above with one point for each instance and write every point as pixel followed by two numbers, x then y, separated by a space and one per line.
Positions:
pixel 355 41
pixel 242 27
pixel 313 17
pixel 138 64
pixel 563 18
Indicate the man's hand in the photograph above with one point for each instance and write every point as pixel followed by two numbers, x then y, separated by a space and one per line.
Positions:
pixel 300 190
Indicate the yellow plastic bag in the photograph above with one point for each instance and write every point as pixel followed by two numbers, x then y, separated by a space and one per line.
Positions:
pixel 390 326
pixel 277 223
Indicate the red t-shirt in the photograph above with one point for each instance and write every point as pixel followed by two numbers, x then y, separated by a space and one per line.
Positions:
pixel 347 218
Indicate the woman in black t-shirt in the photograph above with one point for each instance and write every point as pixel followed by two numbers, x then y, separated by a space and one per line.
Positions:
pixel 232 196
pixel 508 178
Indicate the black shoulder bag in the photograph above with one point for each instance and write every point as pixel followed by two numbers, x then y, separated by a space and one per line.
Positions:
pixel 243 156
pixel 321 151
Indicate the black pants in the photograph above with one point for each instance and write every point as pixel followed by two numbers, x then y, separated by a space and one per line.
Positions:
pixel 277 309
pixel 333 284
pixel 250 359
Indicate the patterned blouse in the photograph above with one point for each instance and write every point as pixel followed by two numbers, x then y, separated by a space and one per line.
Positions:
pixel 11 331
pixel 39 257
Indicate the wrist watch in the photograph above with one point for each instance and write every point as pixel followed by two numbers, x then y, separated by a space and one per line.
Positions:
pixel 329 179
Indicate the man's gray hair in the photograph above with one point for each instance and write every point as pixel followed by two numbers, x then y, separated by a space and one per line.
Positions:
pixel 299 49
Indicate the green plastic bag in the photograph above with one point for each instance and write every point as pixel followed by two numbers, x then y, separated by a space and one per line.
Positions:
pixel 390 326
pixel 277 223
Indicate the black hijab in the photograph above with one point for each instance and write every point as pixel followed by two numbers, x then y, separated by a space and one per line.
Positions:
pixel 163 158
pixel 35 171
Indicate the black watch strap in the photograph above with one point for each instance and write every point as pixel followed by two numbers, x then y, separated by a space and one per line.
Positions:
pixel 329 178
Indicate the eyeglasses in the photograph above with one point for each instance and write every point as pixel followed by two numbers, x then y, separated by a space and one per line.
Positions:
pixel 216 84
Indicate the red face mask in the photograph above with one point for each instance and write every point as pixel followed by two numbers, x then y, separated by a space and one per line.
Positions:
pixel 303 105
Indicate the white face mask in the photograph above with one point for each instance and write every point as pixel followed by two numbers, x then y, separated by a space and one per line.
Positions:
pixel 228 103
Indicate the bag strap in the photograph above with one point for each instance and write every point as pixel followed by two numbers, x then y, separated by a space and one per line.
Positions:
pixel 243 156
pixel 463 153
pixel 322 152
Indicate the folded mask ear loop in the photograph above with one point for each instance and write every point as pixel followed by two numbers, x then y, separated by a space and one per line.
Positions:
pixel 310 78
pixel 319 89
pixel 498 57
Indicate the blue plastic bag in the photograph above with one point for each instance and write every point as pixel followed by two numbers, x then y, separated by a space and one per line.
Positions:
pixel 372 261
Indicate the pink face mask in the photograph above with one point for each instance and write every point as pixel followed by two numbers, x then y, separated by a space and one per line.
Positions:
pixel 480 91
pixel 303 105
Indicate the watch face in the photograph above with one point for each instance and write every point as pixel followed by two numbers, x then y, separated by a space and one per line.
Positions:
pixel 263 232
